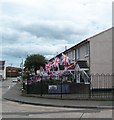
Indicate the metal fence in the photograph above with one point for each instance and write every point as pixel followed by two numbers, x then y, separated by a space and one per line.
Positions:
pixel 100 87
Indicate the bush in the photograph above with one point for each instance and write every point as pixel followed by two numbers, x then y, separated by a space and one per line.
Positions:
pixel 25 76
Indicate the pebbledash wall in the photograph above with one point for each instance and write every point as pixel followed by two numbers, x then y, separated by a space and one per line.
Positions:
pixel 101 53
pixel 113 41
pixel 101 59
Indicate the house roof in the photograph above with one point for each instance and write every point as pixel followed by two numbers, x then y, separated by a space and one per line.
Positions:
pixel 9 67
pixel 85 41
pixel 81 43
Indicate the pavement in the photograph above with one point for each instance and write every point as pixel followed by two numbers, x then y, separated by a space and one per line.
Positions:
pixel 15 94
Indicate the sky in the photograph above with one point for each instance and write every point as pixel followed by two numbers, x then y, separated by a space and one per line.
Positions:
pixel 46 26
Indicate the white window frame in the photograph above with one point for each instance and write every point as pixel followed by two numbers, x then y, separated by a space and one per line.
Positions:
pixel 87 50
pixel 73 55
pixel 77 54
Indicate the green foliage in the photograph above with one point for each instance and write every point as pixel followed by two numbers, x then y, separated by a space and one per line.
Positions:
pixel 25 76
pixel 34 62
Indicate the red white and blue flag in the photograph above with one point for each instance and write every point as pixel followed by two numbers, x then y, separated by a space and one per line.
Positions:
pixel 48 66
pixel 56 62
pixel 65 59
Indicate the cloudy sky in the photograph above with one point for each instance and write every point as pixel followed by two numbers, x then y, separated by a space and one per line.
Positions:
pixel 47 26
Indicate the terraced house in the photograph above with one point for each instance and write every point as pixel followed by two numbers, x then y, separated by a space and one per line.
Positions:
pixel 92 56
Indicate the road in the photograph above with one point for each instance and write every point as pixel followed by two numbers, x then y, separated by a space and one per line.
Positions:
pixel 17 110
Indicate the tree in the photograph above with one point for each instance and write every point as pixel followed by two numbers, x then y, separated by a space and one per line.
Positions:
pixel 34 62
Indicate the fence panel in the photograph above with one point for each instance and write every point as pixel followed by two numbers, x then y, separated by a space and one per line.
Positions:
pixel 101 86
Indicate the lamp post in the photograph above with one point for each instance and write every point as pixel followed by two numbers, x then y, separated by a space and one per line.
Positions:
pixel 22 70
pixel 41 76
pixel 21 65
pixel 11 71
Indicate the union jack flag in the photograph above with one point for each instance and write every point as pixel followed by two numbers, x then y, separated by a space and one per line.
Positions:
pixel 48 66
pixel 56 62
pixel 65 59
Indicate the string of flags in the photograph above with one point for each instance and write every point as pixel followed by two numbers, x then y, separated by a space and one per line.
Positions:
pixel 64 60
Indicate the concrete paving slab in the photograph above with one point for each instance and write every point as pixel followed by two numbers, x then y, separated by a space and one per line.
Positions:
pixel 101 114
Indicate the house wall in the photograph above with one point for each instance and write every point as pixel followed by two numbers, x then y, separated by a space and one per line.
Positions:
pixel 113 49
pixel 4 73
pixel 82 52
pixel 79 53
pixel 13 71
pixel 101 53
pixel 2 69
pixel 71 55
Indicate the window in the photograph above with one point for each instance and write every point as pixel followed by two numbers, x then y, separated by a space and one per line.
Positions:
pixel 69 55
pixel 87 50
pixel 77 53
pixel 73 55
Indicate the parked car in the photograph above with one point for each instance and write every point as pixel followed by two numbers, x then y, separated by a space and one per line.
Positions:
pixel 15 80
pixel 18 79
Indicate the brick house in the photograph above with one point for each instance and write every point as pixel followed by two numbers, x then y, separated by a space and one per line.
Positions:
pixel 13 71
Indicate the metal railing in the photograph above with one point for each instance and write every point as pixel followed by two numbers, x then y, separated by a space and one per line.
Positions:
pixel 101 87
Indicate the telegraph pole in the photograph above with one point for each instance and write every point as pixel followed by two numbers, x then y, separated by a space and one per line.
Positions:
pixel 21 65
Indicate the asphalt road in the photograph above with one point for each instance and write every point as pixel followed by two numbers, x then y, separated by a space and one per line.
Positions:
pixel 17 110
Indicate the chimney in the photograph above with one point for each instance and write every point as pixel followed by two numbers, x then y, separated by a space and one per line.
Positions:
pixel 65 47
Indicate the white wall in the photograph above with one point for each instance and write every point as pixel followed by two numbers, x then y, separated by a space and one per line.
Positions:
pixel 101 53
pixel 101 59
pixel 113 49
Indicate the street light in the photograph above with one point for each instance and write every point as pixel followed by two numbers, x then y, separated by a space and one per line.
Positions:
pixel 11 71
pixel 21 65
pixel 41 76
